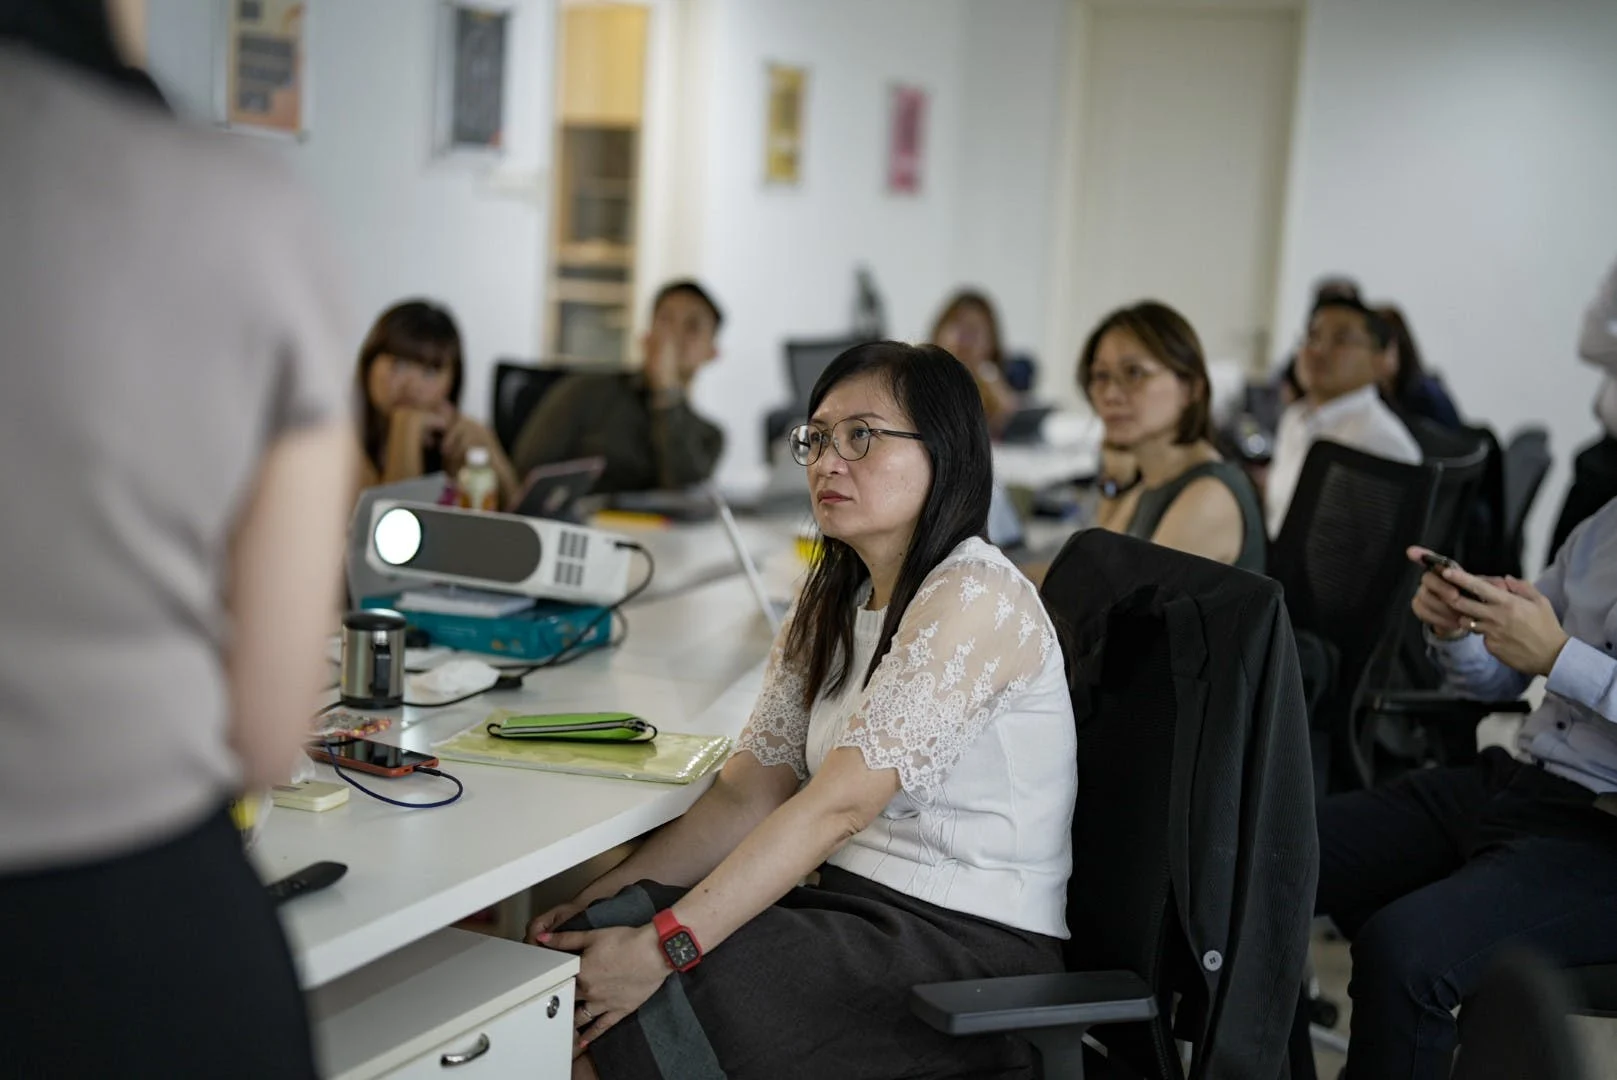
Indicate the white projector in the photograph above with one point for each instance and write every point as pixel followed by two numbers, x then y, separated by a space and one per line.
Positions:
pixel 504 552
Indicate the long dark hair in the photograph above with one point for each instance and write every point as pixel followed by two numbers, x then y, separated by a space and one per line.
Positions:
pixel 1410 370
pixel 1168 336
pixel 942 401
pixel 411 330
pixel 76 32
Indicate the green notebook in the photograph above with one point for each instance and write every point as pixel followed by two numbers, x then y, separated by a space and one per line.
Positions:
pixel 671 758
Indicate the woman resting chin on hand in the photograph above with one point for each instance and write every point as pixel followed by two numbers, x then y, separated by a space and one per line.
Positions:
pixel 913 742
pixel 409 374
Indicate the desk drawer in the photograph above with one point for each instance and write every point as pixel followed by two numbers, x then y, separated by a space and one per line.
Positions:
pixel 526 1042
pixel 429 1009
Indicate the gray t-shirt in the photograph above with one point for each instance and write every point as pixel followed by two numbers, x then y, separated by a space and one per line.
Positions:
pixel 166 316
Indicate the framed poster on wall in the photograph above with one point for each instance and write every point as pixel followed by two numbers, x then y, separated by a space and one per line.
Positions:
pixel 906 142
pixel 470 113
pixel 263 59
pixel 783 131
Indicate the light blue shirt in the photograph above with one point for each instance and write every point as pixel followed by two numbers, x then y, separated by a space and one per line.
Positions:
pixel 1573 734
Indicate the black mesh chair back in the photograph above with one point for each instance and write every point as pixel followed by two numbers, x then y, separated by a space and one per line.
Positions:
pixel 1340 557
pixel 1527 460
pixel 517 391
pixel 1462 523
pixel 1465 455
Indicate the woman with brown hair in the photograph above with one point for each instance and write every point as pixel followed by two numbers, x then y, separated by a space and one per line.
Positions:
pixel 1406 385
pixel 409 378
pixel 968 329
pixel 1143 371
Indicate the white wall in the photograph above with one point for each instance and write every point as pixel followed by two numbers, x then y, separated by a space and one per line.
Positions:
pixel 467 233
pixel 781 259
pixel 1015 62
pixel 1459 156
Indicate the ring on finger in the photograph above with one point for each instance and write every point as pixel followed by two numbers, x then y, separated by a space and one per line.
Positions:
pixel 1472 624
pixel 585 1009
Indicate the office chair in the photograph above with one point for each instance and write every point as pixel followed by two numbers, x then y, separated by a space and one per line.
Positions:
pixel 1594 483
pixel 1515 1026
pixel 1172 660
pixel 517 391
pixel 1476 538
pixel 1527 461
pixel 1463 518
pixel 1340 557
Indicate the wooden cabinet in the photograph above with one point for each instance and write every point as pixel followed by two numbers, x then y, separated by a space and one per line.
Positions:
pixel 601 93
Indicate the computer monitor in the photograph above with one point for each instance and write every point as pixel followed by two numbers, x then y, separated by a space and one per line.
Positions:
pixel 806 361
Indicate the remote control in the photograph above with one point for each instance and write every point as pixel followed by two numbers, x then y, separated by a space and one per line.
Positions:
pixel 310 879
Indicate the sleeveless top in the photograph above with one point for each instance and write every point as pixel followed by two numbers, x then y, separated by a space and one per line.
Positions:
pixel 1154 503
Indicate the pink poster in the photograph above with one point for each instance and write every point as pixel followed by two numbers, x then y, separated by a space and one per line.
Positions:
pixel 905 139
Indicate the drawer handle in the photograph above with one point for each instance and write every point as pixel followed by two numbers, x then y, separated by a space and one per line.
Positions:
pixel 449 1061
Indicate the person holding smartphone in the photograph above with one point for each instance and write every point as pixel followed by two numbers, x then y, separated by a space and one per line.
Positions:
pixel 1430 874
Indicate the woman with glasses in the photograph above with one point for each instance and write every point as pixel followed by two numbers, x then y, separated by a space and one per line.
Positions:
pixel 409 376
pixel 1162 480
pixel 911 755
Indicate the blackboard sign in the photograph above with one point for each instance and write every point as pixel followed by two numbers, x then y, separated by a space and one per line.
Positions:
pixel 476 77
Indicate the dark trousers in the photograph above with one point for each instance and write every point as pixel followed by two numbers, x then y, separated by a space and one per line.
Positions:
pixel 166 962
pixel 1594 484
pixel 1431 874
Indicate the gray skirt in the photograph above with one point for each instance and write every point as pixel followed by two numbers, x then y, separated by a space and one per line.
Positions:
pixel 817 986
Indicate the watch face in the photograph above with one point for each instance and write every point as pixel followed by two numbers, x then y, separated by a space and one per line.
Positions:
pixel 681 950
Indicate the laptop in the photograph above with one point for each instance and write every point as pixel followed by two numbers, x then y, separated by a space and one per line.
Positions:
pixel 553 491
pixel 1025 424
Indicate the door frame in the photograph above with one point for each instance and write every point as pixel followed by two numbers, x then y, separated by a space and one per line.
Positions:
pixel 1062 334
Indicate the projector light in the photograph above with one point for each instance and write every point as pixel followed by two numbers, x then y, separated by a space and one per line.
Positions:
pixel 398 536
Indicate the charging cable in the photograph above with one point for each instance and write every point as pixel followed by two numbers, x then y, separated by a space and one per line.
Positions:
pixel 460 788
pixel 511 679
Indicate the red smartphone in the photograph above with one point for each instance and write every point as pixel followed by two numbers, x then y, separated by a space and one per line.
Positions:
pixel 363 755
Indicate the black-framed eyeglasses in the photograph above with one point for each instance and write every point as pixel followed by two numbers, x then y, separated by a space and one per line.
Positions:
pixel 850 438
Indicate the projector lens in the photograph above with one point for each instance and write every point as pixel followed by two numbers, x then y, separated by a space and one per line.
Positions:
pixel 398 536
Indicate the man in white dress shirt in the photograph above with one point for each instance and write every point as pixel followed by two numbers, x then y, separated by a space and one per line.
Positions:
pixel 1338 366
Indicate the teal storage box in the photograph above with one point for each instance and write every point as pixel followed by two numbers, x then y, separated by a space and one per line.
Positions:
pixel 535 635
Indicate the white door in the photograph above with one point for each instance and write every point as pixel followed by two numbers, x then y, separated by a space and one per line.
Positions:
pixel 1182 170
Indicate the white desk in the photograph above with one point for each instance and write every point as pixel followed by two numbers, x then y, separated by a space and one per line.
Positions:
pixel 692 662
pixel 688 555
pixel 1071 449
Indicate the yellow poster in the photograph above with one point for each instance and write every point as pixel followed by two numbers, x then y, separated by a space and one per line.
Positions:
pixel 265 64
pixel 783 136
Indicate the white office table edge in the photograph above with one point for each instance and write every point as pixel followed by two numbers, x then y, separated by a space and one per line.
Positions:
pixel 394 930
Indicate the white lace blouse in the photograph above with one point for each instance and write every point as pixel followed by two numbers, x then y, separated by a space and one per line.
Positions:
pixel 970 706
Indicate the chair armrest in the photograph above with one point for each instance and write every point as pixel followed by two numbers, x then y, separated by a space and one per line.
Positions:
pixel 1021 1002
pixel 1440 704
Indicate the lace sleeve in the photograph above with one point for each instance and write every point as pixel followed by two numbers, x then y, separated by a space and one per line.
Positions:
pixel 777 731
pixel 968 645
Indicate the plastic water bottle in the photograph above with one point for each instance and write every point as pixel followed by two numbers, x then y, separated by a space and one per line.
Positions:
pixel 477 488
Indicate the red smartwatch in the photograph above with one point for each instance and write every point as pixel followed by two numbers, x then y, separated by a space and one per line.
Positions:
pixel 676 941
